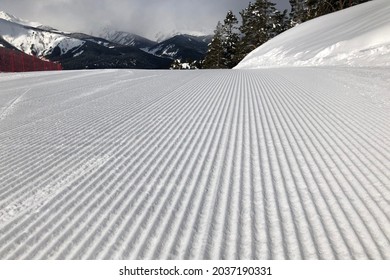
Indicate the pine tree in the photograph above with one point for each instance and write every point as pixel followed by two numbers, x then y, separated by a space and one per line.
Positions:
pixel 281 23
pixel 298 12
pixel 223 50
pixel 214 57
pixel 312 9
pixel 260 22
pixel 343 4
pixel 252 28
pixel 230 41
pixel 309 9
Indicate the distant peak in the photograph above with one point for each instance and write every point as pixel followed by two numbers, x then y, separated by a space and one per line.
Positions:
pixel 8 17
pixel 160 36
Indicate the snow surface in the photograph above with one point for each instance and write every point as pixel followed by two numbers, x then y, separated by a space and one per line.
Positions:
pixel 286 163
pixel 357 36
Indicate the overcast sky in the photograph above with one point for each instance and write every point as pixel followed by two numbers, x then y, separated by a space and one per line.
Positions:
pixel 144 17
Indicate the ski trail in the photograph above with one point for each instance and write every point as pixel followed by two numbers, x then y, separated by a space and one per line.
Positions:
pixel 257 164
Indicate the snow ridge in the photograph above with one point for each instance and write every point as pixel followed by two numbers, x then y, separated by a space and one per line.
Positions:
pixel 357 36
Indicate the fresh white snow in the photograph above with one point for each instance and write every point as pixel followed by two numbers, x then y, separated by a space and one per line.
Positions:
pixel 357 36
pixel 256 164
pixel 277 163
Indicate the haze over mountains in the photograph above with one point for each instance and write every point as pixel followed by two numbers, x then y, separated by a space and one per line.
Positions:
pixel 113 49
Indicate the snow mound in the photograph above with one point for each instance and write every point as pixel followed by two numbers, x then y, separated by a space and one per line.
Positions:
pixel 357 36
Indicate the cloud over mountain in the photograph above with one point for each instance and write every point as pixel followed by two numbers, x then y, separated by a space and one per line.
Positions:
pixel 139 16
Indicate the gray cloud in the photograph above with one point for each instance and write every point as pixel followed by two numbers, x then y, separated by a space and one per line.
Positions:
pixel 144 17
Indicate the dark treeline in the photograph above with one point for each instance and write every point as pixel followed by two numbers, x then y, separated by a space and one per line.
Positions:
pixel 260 22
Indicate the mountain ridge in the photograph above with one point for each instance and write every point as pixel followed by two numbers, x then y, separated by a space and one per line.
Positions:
pixel 114 49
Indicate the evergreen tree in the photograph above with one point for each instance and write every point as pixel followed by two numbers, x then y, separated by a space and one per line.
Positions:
pixel 330 6
pixel 304 10
pixel 298 12
pixel 214 57
pixel 336 5
pixel 253 22
pixel 313 9
pixel 281 23
pixel 230 41
pixel 223 50
pixel 260 22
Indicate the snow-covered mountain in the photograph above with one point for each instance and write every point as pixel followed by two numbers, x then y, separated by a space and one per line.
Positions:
pixel 161 36
pixel 114 49
pixel 127 39
pixel 185 47
pixel 11 18
pixel 357 36
pixel 173 46
pixel 33 40
pixel 73 50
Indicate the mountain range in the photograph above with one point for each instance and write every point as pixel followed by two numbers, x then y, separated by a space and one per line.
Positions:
pixel 111 49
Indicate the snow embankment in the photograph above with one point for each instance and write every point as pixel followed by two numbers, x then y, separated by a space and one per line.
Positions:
pixel 358 36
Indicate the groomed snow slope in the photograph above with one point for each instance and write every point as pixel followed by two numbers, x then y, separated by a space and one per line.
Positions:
pixel 256 164
pixel 357 36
